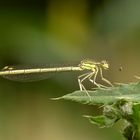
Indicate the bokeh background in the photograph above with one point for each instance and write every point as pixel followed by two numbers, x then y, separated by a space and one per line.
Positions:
pixel 41 31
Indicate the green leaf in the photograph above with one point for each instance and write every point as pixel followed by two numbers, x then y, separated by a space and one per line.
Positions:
pixel 102 121
pixel 130 92
pixel 132 128
pixel 121 102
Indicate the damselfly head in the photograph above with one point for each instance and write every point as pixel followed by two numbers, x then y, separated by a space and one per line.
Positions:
pixel 105 64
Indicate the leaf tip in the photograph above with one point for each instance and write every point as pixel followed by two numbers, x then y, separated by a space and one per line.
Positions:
pixel 58 98
pixel 86 116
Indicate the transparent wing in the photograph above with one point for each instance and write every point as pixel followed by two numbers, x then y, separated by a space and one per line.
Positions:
pixel 26 77
pixel 29 77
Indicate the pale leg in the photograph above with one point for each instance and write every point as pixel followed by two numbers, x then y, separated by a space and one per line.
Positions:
pixel 94 73
pixel 86 75
pixel 103 79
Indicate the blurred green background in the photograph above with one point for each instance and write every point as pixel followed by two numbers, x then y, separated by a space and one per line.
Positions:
pixel 37 31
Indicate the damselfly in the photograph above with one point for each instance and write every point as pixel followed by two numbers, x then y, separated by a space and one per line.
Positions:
pixel 92 68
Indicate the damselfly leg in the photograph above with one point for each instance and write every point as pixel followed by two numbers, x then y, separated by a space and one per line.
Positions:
pixel 104 79
pixel 81 78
